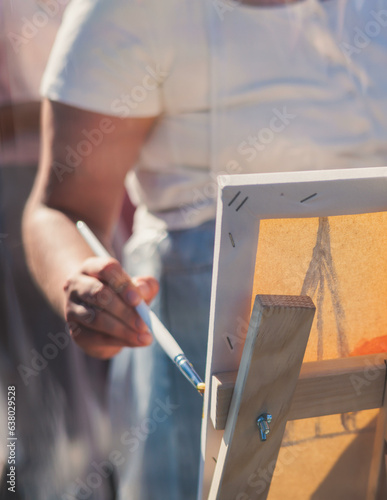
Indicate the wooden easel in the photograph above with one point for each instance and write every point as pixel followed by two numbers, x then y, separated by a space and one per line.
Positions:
pixel 273 386
pixel 245 203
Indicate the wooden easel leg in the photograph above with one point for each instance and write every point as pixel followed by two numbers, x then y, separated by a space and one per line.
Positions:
pixel 377 483
pixel 267 376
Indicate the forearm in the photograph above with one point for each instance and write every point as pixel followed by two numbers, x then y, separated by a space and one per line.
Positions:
pixel 54 250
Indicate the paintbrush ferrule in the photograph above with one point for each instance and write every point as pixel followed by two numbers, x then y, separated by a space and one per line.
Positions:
pixel 189 372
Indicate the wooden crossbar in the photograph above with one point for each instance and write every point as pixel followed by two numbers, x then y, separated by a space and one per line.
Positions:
pixel 324 388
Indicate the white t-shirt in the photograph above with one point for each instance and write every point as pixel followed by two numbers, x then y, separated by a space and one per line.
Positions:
pixel 239 89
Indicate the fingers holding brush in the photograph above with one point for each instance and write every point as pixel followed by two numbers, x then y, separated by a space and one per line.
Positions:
pixel 100 307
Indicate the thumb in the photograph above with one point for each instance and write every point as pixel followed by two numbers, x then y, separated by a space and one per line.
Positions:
pixel 148 287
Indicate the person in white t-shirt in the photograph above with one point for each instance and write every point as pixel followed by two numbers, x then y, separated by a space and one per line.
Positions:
pixel 161 97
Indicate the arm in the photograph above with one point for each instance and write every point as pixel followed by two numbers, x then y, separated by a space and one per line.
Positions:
pixel 84 160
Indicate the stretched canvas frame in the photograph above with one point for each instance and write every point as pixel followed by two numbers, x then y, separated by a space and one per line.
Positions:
pixel 243 201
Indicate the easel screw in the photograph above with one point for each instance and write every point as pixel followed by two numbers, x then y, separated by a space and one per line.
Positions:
pixel 263 422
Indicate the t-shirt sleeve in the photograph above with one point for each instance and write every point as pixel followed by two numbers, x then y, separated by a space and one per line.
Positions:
pixel 102 60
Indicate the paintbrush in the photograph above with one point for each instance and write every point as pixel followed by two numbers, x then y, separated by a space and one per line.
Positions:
pixel 159 331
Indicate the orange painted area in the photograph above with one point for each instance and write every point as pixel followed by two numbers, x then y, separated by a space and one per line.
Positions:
pixel 372 346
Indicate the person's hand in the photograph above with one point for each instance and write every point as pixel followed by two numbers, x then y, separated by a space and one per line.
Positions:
pixel 99 308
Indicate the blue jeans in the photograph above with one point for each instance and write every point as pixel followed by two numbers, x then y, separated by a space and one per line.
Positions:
pixel 156 413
